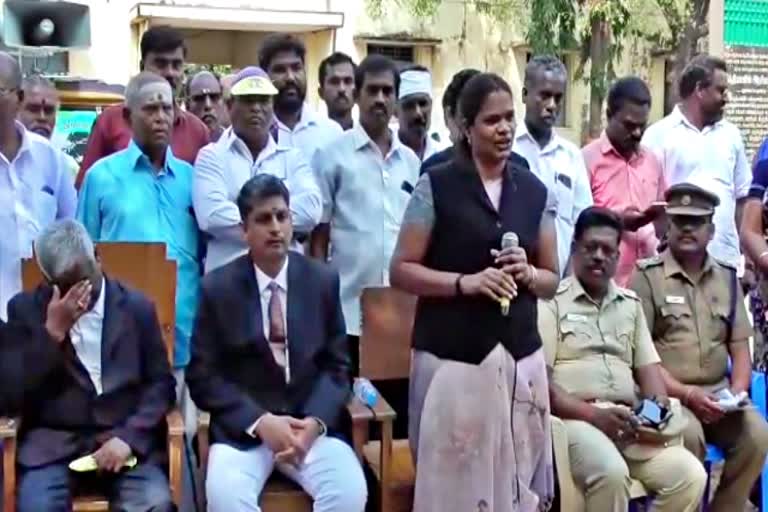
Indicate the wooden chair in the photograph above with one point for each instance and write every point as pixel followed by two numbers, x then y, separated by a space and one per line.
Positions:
pixel 144 267
pixel 384 354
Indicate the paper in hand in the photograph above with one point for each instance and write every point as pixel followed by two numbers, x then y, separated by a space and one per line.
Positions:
pixel 88 463
pixel 730 402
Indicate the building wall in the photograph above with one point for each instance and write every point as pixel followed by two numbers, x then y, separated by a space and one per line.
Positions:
pixel 463 39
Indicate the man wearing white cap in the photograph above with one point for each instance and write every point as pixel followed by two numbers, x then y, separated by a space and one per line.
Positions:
pixel 414 112
pixel 244 150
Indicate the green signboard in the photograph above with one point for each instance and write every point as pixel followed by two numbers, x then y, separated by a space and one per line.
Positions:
pixel 72 130
pixel 746 22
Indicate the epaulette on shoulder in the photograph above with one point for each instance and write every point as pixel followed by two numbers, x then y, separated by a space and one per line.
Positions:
pixel 564 285
pixel 626 292
pixel 649 262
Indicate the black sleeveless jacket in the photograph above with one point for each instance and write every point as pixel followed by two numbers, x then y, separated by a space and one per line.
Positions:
pixel 467 227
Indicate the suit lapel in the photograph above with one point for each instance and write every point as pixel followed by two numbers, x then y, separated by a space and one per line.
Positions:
pixel 252 318
pixel 253 327
pixel 113 326
pixel 76 368
pixel 294 314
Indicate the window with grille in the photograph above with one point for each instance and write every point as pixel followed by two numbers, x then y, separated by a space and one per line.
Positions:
pixel 402 55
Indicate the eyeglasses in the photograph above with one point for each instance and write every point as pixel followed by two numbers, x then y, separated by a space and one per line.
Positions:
pixel 590 248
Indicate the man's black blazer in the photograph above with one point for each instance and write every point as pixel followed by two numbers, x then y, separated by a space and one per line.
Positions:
pixel 233 374
pixel 26 356
pixel 62 417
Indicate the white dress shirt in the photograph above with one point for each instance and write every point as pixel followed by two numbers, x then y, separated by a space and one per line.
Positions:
pixel 86 337
pixel 279 350
pixel 365 195
pixel 560 166
pixel 36 188
pixel 430 147
pixel 223 167
pixel 311 133
pixel 712 158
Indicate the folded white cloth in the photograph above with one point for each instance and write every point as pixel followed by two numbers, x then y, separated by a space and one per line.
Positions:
pixel 414 81
pixel 730 402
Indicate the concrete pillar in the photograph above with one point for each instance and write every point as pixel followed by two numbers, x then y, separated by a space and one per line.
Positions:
pixel 716 38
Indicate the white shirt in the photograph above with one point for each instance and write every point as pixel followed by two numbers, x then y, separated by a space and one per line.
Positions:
pixel 712 158
pixel 279 351
pixel 560 166
pixel 311 133
pixel 221 169
pixel 265 294
pixel 364 199
pixel 36 188
pixel 86 339
pixel 430 148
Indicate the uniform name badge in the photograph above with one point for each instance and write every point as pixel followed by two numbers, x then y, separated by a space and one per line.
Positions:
pixel 574 317
pixel 675 299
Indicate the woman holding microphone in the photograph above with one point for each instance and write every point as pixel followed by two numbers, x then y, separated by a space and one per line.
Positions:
pixel 478 404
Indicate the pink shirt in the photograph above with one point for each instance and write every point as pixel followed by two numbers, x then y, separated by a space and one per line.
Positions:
pixel 618 184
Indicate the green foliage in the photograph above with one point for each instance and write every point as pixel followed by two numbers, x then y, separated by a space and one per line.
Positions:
pixel 418 8
pixel 553 25
pixel 558 26
pixel 498 10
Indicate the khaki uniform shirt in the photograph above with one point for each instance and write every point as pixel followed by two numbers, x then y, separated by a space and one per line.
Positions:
pixel 593 348
pixel 688 320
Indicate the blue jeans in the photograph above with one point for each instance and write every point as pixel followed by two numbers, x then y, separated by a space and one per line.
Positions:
pixel 49 488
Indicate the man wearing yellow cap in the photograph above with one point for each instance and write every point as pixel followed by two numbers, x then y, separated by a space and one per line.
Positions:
pixel 244 150
pixel 695 312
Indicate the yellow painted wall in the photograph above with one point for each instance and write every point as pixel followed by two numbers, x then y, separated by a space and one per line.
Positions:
pixel 466 39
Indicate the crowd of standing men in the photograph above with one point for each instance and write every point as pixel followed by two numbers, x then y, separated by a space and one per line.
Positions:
pixel 640 225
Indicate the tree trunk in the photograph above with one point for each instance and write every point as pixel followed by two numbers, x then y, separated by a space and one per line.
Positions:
pixel 687 47
pixel 598 56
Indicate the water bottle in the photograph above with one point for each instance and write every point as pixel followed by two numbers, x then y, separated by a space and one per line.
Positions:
pixel 365 392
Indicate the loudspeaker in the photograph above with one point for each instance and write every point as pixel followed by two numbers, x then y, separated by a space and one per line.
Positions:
pixel 46 24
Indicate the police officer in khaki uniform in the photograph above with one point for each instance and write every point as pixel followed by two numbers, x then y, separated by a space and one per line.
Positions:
pixel 696 315
pixel 598 350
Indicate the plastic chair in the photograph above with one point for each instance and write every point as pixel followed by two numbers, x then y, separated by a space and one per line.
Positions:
pixel 758 395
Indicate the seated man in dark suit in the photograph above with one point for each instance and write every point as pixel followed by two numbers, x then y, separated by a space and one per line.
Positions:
pixel 270 362
pixel 28 353
pixel 107 389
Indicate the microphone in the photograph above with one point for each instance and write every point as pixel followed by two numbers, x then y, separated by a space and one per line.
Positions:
pixel 508 240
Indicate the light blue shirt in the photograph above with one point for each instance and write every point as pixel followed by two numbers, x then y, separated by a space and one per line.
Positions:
pixel 36 188
pixel 221 170
pixel 364 198
pixel 124 199
pixel 311 133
